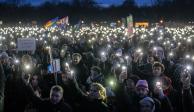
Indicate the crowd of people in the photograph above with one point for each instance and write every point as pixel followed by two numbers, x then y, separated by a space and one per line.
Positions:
pixel 103 69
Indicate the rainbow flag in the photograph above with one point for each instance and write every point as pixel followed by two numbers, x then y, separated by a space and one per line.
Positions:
pixel 51 22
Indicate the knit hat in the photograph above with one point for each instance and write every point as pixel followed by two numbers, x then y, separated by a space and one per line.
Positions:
pixel 142 83
pixel 4 55
pixel 96 68
pixel 144 100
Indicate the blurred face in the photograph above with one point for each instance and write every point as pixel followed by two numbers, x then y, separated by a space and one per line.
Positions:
pixel 159 54
pixel 63 51
pixel 122 76
pixel 34 81
pixel 146 106
pixel 130 85
pixel 94 74
pixel 55 97
pixel 4 60
pixel 150 59
pixel 66 68
pixel 141 92
pixel 157 71
pixel 26 78
pixel 76 59
pixel 94 93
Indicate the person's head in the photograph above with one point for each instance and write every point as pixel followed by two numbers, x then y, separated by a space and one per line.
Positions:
pixel 95 72
pixel 158 52
pixel 56 94
pixel 130 82
pixel 63 51
pixel 76 58
pixel 97 91
pixel 26 78
pixel 147 104
pixel 142 88
pixel 150 59
pixel 66 67
pixel 122 76
pixel 166 83
pixel 4 58
pixel 158 69
pixel 26 59
pixel 34 80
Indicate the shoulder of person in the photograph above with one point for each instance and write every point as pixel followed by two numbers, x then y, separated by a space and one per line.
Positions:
pixel 67 107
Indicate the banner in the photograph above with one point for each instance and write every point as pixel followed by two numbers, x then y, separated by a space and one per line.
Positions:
pixel 26 44
pixel 63 21
pixel 55 66
pixel 123 20
pixel 130 25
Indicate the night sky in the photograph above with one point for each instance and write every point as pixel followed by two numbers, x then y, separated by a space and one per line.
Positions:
pixel 107 2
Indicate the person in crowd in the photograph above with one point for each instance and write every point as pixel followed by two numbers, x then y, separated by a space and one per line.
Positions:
pixel 147 104
pixel 17 94
pixel 2 86
pixel 93 100
pixel 79 67
pixel 95 76
pixel 34 81
pixel 54 103
pixel 171 93
pixel 187 92
pixel 96 67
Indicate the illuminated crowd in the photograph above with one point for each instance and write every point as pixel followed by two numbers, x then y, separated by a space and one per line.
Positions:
pixel 103 68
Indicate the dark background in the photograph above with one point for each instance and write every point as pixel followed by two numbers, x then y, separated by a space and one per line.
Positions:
pixel 13 11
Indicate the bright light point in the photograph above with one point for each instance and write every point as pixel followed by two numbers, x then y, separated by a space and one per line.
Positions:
pixel 103 53
pixel 189 40
pixel 66 64
pixel 16 61
pixel 158 84
pixel 12 43
pixel 112 83
pixel 72 72
pixel 27 67
pixel 188 67
pixel 171 54
pixel 117 54
pixel 187 56
pixel 47 47
pixel 124 67
pixel 155 48
pixel 126 57
pixel 193 58
pixel 139 50
pixel 118 65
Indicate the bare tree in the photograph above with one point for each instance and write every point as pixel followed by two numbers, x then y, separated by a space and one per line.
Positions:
pixel 127 3
pixel 88 3
pixel 16 2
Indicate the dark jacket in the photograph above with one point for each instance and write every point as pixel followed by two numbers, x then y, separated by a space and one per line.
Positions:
pixel 2 87
pixel 188 100
pixel 88 105
pixel 47 106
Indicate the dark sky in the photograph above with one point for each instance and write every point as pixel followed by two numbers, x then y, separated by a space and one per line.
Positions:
pixel 107 2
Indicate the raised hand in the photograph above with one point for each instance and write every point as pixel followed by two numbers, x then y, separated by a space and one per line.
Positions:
pixel 186 79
